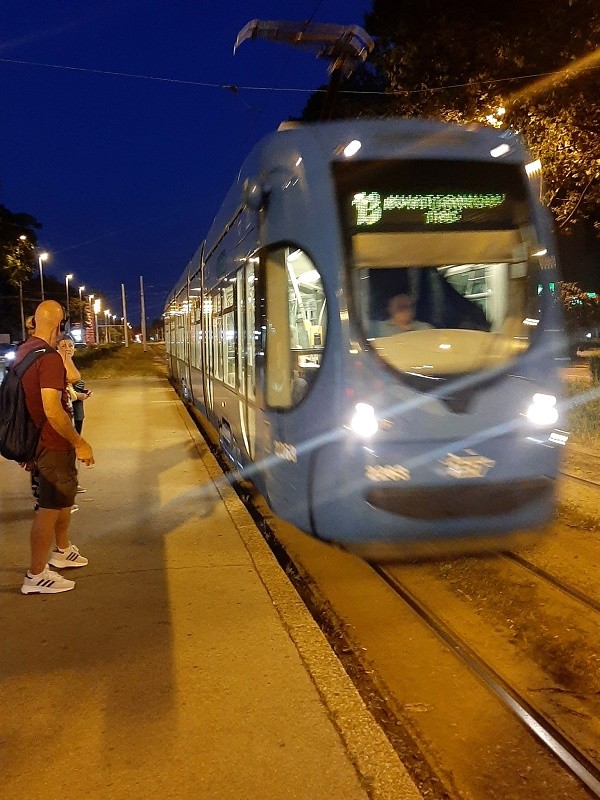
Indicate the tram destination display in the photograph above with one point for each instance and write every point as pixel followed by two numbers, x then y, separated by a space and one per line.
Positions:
pixel 418 196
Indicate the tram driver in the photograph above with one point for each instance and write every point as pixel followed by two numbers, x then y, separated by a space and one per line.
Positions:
pixel 401 310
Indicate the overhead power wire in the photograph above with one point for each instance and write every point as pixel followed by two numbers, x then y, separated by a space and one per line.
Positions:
pixel 234 88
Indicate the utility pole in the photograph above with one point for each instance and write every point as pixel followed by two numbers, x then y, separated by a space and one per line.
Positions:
pixel 125 329
pixel 23 332
pixel 143 313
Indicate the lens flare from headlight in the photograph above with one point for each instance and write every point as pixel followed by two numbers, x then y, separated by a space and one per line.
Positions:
pixel 542 410
pixel 363 422
pixel 10 356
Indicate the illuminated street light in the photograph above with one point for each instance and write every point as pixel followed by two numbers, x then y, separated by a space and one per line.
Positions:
pixel 67 279
pixel 42 257
pixel 81 289
pixel 97 307
pixel 106 316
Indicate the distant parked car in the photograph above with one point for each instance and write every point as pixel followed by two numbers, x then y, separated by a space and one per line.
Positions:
pixel 7 354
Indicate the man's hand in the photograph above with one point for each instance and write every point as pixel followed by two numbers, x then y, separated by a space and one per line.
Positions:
pixel 83 452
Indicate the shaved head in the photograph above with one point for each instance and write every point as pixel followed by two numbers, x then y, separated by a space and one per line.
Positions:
pixel 48 316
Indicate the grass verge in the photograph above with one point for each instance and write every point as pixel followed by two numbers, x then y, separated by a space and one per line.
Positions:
pixel 583 418
pixel 114 361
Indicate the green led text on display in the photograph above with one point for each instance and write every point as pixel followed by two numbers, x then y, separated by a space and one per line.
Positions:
pixel 440 209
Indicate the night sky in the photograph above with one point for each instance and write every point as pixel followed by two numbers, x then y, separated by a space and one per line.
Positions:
pixel 126 174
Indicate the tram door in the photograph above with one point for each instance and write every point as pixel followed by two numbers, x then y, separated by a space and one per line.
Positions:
pixel 248 337
pixel 295 338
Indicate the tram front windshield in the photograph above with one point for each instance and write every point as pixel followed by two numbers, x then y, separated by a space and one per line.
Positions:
pixel 441 265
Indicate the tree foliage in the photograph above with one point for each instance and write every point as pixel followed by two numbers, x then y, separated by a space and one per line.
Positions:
pixel 18 241
pixel 460 61
pixel 582 312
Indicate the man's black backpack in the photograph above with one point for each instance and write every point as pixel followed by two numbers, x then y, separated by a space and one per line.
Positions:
pixel 19 435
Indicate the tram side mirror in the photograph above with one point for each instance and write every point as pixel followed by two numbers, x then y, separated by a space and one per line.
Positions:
pixel 253 194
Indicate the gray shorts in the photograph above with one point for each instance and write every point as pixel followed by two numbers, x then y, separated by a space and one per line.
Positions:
pixel 57 478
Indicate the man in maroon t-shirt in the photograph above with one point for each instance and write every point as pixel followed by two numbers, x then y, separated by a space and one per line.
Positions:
pixel 45 386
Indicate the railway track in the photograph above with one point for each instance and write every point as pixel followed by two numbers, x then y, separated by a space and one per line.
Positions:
pixel 582 465
pixel 571 591
pixel 547 733
pixel 585 481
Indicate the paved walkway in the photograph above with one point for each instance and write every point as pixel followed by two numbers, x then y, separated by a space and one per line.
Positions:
pixel 183 665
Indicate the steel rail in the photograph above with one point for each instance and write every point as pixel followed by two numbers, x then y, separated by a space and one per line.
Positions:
pixel 567 753
pixel 576 594
pixel 587 481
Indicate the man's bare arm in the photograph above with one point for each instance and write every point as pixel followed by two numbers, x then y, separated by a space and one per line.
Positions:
pixel 61 422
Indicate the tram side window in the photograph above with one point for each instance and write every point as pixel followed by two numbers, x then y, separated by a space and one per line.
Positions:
pixel 296 325
pixel 207 353
pixel 197 349
pixel 181 320
pixel 196 330
pixel 245 329
pixel 251 333
pixel 229 335
pixel 173 337
pixel 216 325
pixel 168 334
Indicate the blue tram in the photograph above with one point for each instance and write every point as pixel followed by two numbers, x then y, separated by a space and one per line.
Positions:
pixel 371 327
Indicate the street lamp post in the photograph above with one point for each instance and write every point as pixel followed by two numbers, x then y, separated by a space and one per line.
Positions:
pixel 90 297
pixel 23 332
pixel 22 238
pixel 97 305
pixel 81 289
pixel 67 279
pixel 41 258
pixel 106 316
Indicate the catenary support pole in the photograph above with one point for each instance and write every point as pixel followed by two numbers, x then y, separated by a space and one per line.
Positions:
pixel 125 328
pixel 143 313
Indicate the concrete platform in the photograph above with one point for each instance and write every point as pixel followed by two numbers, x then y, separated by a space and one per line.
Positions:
pixel 183 665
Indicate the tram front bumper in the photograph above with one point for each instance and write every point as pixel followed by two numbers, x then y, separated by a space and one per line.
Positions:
pixel 392 510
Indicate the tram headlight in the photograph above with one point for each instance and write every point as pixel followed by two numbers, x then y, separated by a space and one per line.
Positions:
pixel 542 410
pixel 352 148
pixel 363 422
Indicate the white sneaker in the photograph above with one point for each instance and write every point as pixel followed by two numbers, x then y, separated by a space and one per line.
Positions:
pixel 67 558
pixel 48 582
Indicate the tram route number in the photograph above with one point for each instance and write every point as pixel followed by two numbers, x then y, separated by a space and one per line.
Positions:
pixel 470 466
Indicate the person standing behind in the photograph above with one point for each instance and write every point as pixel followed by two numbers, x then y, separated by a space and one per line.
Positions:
pixel 45 387
pixel 66 348
pixel 76 389
pixel 30 326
